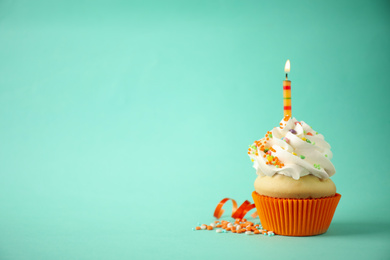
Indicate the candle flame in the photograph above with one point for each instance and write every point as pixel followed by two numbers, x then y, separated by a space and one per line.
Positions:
pixel 287 66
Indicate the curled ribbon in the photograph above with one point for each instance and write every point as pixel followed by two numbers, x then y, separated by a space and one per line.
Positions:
pixel 239 212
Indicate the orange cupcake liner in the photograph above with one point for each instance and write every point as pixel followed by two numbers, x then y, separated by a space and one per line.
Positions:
pixel 296 217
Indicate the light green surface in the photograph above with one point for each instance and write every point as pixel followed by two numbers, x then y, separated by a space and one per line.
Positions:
pixel 122 124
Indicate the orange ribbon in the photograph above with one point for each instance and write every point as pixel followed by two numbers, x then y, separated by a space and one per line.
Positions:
pixel 239 212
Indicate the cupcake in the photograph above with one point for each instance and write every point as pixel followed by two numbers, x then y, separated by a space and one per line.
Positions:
pixel 294 195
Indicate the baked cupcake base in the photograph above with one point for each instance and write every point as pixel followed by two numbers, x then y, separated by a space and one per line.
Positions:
pixel 307 187
pixel 296 217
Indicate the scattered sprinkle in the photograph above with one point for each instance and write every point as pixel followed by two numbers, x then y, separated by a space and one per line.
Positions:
pixel 303 138
pixel 326 155
pixel 237 226
pixel 303 157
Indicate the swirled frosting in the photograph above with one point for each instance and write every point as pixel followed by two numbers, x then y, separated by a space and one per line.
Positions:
pixel 293 149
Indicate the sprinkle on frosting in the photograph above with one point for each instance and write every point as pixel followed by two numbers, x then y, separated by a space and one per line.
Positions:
pixel 293 131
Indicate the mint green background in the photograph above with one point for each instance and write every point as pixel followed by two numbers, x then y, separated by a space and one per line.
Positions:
pixel 123 123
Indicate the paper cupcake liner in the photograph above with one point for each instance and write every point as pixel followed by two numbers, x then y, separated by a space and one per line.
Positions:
pixel 296 217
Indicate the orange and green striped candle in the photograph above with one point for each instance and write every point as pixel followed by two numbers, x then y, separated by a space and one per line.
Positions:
pixel 287 97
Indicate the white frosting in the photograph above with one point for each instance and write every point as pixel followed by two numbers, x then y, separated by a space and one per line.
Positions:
pixel 288 146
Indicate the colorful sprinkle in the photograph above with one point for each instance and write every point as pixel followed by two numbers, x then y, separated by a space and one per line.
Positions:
pixel 293 131
pixel 239 226
pixel 303 157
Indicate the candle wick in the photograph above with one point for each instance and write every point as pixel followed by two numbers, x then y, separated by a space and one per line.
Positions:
pixel 286 76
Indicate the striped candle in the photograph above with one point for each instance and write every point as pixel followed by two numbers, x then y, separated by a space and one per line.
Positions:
pixel 287 97
pixel 287 91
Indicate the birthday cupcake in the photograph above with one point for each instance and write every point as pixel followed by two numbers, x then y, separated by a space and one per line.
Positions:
pixel 294 195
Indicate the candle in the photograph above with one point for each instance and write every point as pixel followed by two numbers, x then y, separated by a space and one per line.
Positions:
pixel 287 91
